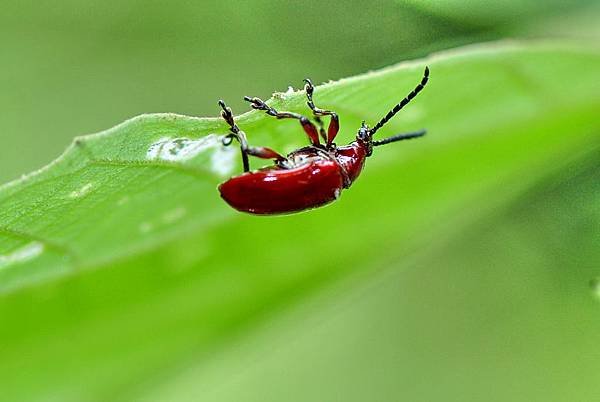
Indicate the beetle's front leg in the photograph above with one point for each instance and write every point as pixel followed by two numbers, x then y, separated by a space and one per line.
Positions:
pixel 236 133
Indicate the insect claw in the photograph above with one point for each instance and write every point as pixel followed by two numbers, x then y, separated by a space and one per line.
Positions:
pixel 256 103
pixel 227 140
pixel 309 87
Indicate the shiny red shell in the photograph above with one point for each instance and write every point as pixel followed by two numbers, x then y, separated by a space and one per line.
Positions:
pixel 311 177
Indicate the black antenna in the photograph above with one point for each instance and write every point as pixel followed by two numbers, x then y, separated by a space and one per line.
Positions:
pixel 400 137
pixel 403 103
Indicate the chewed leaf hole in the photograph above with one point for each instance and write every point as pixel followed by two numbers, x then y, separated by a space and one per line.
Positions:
pixel 222 159
pixel 180 149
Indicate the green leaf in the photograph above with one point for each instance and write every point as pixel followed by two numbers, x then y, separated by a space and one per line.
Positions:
pixel 504 306
pixel 121 267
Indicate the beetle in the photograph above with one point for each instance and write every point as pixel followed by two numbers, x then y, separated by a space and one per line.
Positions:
pixel 308 177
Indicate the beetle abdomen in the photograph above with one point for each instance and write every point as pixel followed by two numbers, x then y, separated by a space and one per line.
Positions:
pixel 279 191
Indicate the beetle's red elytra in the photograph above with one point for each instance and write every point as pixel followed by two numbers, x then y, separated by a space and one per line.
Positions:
pixel 308 177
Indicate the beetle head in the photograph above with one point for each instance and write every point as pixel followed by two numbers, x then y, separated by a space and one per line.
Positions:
pixel 364 137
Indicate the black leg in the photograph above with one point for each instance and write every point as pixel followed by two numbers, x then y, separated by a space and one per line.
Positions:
pixel 334 124
pixel 309 128
pixel 259 152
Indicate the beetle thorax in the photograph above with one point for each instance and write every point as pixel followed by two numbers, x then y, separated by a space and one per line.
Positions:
pixel 352 159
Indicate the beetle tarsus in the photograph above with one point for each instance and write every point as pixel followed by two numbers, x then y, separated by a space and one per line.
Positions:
pixel 334 123
pixel 309 128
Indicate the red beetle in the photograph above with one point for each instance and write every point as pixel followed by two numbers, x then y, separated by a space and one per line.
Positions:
pixel 308 177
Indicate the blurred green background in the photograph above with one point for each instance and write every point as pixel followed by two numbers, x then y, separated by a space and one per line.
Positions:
pixel 501 311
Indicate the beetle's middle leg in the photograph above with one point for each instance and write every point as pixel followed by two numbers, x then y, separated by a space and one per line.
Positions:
pixel 309 128
pixel 259 152
pixel 334 123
